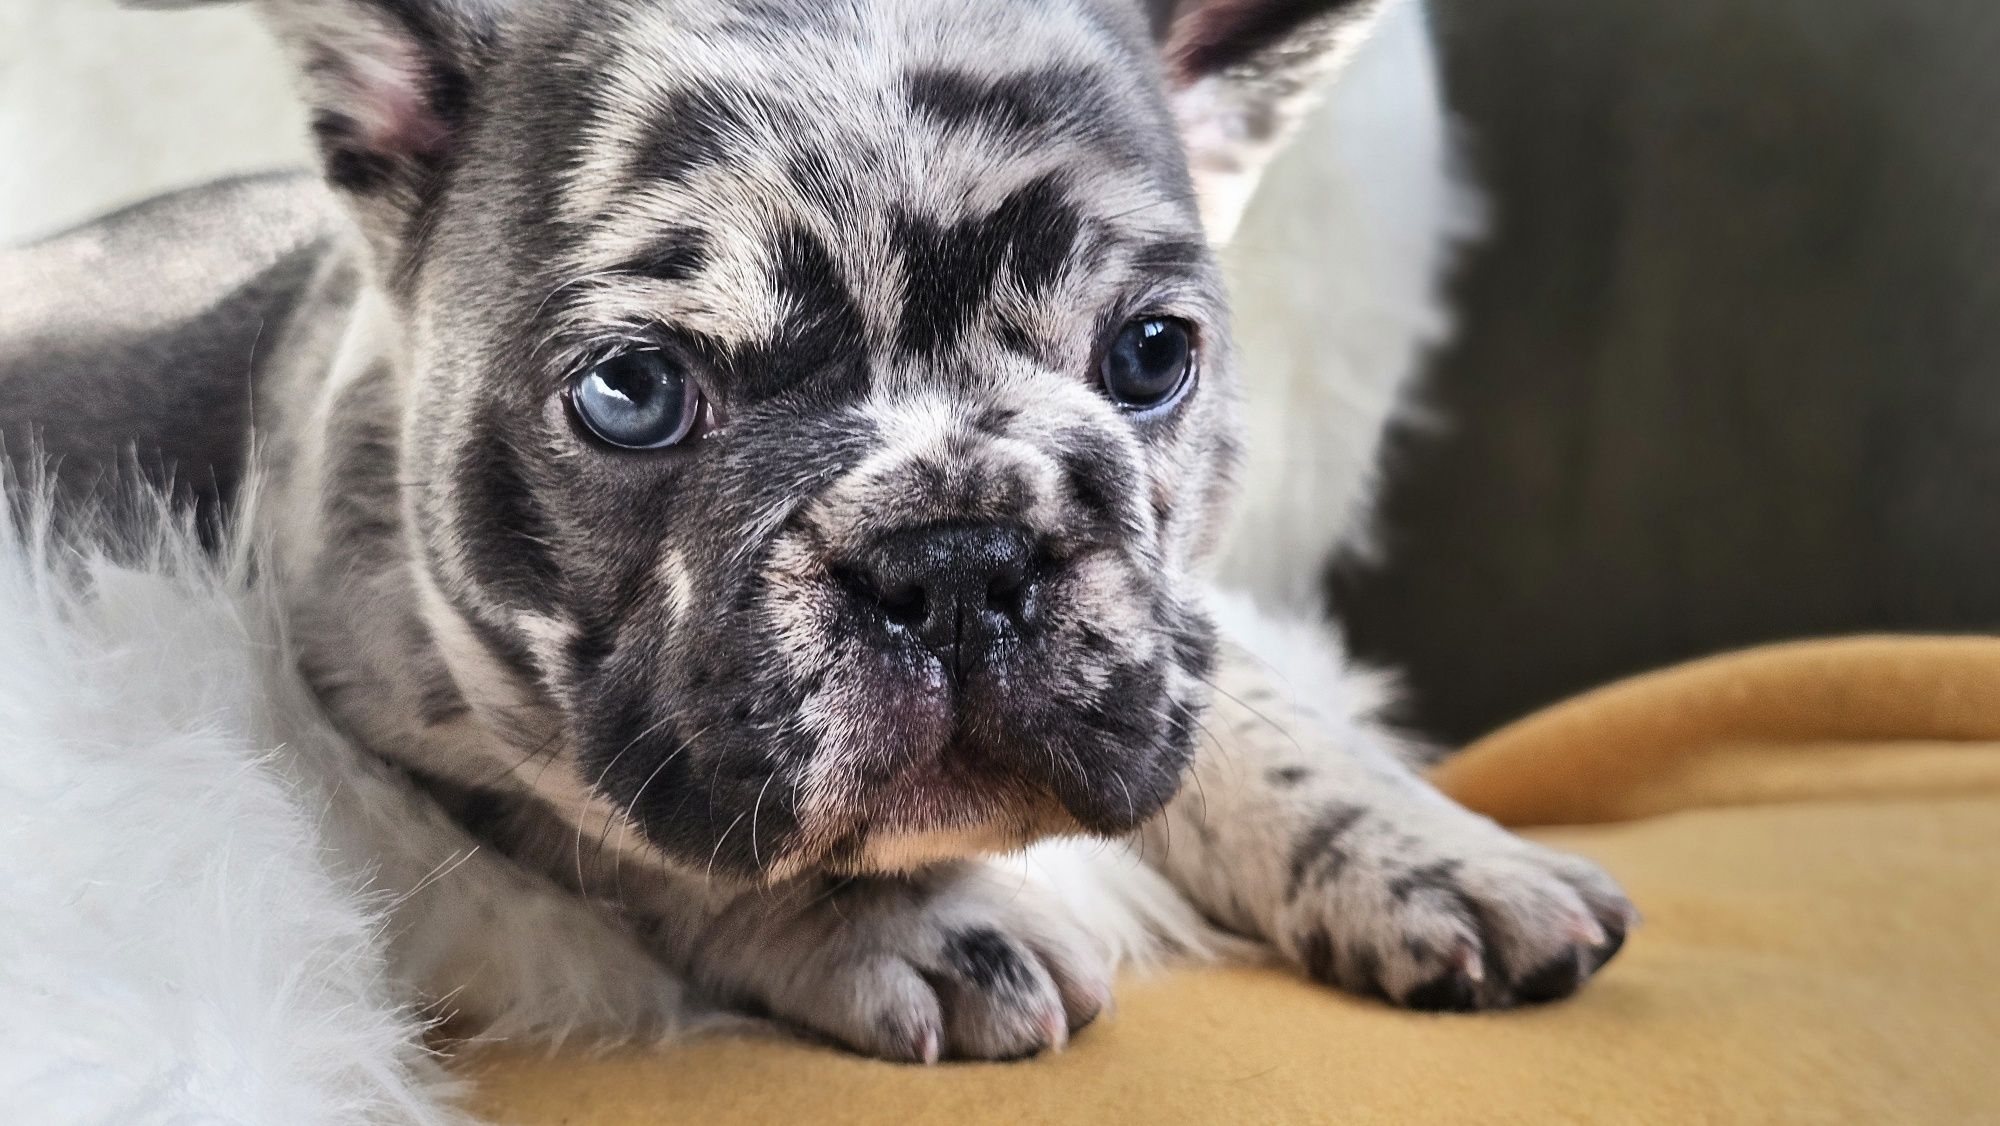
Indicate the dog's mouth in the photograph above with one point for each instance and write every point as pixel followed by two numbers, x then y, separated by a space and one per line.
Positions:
pixel 1000 763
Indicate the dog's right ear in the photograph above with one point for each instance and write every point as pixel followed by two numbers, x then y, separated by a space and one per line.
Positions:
pixel 1243 73
pixel 387 83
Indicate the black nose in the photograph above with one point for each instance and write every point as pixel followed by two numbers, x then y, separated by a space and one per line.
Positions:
pixel 958 589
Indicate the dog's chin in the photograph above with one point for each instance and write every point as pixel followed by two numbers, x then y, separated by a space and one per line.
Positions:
pixel 949 806
pixel 988 763
pixel 959 804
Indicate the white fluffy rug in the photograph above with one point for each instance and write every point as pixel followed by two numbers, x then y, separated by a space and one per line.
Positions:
pixel 213 908
pixel 181 941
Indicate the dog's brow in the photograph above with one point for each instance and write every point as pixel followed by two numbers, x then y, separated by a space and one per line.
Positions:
pixel 697 127
pixel 1026 101
pixel 950 269
pixel 677 254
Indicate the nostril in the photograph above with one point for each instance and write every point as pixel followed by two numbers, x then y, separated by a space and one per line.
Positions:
pixel 1003 595
pixel 905 605
pixel 1012 587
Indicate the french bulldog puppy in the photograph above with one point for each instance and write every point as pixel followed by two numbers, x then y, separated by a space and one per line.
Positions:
pixel 753 463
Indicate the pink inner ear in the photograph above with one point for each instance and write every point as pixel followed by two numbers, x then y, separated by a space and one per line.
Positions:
pixel 1210 35
pixel 391 103
pixel 1205 30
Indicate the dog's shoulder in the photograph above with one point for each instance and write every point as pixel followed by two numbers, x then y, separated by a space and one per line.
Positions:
pixel 136 337
pixel 205 239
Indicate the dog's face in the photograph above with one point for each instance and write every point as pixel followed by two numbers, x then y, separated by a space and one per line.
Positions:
pixel 824 407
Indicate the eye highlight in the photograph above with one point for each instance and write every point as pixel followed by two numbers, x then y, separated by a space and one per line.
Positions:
pixel 1150 364
pixel 640 401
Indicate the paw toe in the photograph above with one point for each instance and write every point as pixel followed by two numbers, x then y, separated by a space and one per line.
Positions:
pixel 1614 941
pixel 1000 1001
pixel 1551 981
pixel 1450 992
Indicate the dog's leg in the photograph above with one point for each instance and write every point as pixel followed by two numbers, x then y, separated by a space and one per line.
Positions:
pixel 970 960
pixel 499 949
pixel 1305 825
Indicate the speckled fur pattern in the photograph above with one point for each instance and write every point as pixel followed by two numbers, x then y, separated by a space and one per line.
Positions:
pixel 892 238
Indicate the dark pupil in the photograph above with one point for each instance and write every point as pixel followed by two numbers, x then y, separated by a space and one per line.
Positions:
pixel 1148 362
pixel 637 400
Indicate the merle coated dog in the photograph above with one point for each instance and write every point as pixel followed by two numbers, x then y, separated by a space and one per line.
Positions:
pixel 753 461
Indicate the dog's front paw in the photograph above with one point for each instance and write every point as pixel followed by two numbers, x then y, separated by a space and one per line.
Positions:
pixel 1479 919
pixel 958 962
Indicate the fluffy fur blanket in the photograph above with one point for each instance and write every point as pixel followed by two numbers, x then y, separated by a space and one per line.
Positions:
pixel 186 939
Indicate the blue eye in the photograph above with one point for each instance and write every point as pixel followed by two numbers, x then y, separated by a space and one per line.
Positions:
pixel 1150 363
pixel 638 401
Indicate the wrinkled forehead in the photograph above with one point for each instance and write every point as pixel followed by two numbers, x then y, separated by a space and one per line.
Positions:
pixel 915 166
pixel 913 101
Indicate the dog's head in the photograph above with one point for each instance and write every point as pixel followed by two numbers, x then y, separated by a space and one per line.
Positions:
pixel 823 405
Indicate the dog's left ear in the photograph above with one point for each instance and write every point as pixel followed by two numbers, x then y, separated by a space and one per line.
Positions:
pixel 1243 74
pixel 387 83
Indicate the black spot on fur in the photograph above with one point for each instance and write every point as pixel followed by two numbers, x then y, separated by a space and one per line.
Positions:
pixel 719 797
pixel 1093 475
pixel 1044 228
pixel 985 958
pixel 1319 857
pixel 1287 777
pixel 508 535
pixel 677 255
pixel 700 126
pixel 1173 256
pixel 1017 338
pixel 505 819
pixel 950 269
pixel 1431 877
pixel 1018 103
pixel 595 643
pixel 816 180
pixel 995 420
pixel 822 346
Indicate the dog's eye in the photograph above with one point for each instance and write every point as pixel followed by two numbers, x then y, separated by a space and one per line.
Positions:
pixel 1150 364
pixel 639 401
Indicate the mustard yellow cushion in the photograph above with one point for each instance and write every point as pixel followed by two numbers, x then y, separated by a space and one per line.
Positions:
pixel 1813 833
